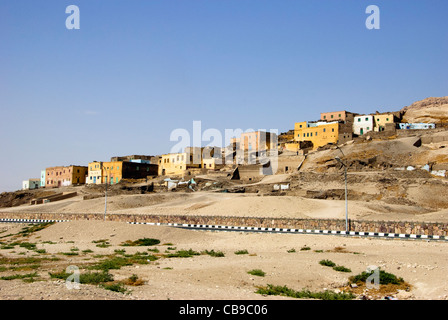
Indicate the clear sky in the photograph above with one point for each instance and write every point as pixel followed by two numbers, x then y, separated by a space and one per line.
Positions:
pixel 136 70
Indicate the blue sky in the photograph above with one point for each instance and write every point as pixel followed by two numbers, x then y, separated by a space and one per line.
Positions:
pixel 136 70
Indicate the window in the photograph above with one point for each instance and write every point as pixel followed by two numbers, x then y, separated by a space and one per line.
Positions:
pixel 118 167
pixel 368 128
pixel 325 129
pixel 331 116
pixel 311 134
pixel 300 126
pixel 378 120
pixel 298 136
pixel 138 168
pixel 359 119
pixel 339 115
pixel 387 119
pixel 367 119
pixel 332 129
pixel 316 133
pixel 325 117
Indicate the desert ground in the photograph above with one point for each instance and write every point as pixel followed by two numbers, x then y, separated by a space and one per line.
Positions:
pixel 286 259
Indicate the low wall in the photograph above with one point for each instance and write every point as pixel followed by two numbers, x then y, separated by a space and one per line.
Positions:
pixel 401 227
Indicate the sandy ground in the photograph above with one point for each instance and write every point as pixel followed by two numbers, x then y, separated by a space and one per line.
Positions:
pixel 422 264
pixel 243 205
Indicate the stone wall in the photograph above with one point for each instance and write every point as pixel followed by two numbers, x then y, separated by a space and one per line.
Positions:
pixel 401 227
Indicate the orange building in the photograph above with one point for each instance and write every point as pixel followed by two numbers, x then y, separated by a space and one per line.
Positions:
pixel 337 116
pixel 65 176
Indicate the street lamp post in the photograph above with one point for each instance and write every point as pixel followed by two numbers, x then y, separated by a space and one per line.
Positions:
pixel 105 195
pixel 346 202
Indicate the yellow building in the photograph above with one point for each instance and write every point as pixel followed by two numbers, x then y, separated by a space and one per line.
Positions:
pixel 94 173
pixel 380 121
pixel 176 164
pixel 112 172
pixel 319 133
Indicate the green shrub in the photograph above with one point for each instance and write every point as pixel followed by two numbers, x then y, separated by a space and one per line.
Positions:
pixel 257 272
pixel 327 263
pixel 126 260
pixel 85 278
pixel 141 242
pixel 183 254
pixel 385 278
pixel 27 245
pixel 95 277
pixel 25 277
pixel 71 253
pixel 242 252
pixel 291 250
pixel 303 294
pixel 116 287
pixel 305 248
pixel 342 269
pixel 213 253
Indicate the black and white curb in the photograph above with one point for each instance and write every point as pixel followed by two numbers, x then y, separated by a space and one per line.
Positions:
pixel 299 231
pixel 264 230
pixel 30 221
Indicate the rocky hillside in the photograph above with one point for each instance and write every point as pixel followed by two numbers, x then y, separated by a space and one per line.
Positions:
pixel 429 110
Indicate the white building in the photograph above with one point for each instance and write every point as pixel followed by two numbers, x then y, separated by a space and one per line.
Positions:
pixel 362 124
pixel 30 184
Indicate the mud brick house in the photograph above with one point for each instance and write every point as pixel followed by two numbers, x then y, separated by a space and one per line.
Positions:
pixel 344 116
pixel 321 133
pixel 112 172
pixel 65 176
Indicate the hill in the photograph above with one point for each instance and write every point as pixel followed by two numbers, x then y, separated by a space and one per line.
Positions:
pixel 429 110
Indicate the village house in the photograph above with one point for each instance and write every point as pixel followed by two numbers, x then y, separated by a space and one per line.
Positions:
pixel 384 121
pixel 258 141
pixel 112 172
pixel 321 133
pixel 177 164
pixel 344 116
pixel 65 176
pixel 30 184
pixel 363 124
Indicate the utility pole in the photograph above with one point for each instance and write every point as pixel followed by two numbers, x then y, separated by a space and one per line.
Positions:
pixel 105 195
pixel 345 178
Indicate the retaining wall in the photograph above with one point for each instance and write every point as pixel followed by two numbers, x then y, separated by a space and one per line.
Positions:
pixel 402 227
